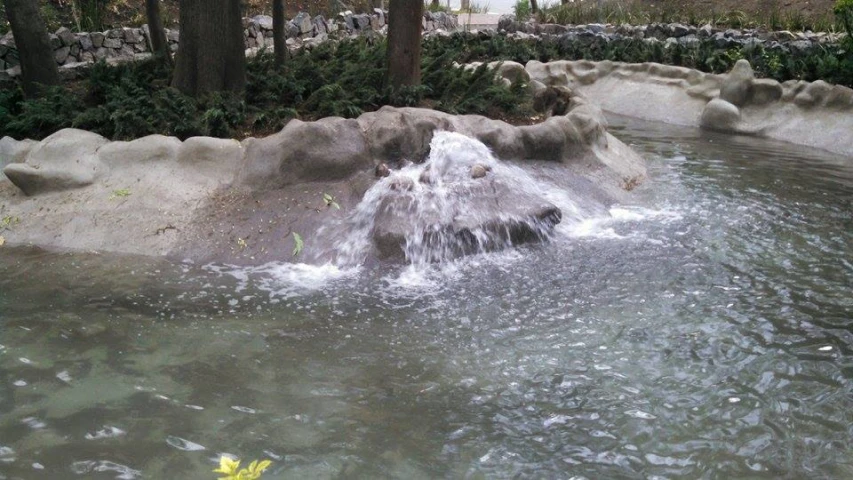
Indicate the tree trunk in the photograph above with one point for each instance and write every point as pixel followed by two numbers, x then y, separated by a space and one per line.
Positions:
pixel 211 56
pixel 534 7
pixel 156 33
pixel 279 42
pixel 38 66
pixel 404 42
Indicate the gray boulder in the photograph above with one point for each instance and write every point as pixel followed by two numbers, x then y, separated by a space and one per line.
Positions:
pixel 86 42
pixel 720 115
pixel 66 36
pixel 486 214
pixel 132 35
pixel 362 21
pixel 303 21
pixel 97 39
pixel 55 42
pixel 67 159
pixel 328 149
pixel 263 21
pixel 112 43
pixel 61 54
pixel 320 26
pixel 735 88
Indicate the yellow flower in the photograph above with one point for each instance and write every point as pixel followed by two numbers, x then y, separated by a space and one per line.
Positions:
pixel 229 467
pixel 256 469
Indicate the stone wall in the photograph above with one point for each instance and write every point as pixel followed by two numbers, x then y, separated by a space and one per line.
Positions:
pixel 73 49
pixel 674 33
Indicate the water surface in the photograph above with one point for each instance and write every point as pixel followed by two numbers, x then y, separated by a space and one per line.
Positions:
pixel 702 330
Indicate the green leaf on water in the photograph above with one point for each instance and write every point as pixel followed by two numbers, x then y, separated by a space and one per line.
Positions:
pixel 297 244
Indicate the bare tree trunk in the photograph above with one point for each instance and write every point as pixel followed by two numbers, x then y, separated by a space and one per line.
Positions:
pixel 534 7
pixel 211 56
pixel 405 19
pixel 156 33
pixel 279 42
pixel 38 66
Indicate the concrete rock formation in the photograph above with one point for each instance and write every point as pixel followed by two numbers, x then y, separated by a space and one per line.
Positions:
pixel 814 114
pixel 210 199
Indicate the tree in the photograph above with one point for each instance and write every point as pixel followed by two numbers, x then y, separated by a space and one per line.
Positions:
pixel 156 33
pixel 279 40
pixel 534 7
pixel 404 42
pixel 38 66
pixel 211 55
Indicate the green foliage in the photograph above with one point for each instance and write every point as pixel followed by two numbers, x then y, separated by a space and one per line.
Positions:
pixel 90 14
pixel 41 116
pixel 436 7
pixel 50 16
pixel 844 13
pixel 692 13
pixel 475 7
pixel 522 10
pixel 333 79
pixel 347 78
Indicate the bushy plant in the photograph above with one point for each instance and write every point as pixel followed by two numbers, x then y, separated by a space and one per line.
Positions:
pixel 39 117
pixel 334 79
pixel 522 10
pixel 844 13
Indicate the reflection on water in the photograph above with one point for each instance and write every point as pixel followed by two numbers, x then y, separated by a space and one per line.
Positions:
pixel 701 331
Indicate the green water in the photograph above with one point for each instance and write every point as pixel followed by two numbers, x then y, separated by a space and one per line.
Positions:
pixel 704 331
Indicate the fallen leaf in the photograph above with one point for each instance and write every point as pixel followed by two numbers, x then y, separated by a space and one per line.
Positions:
pixel 297 244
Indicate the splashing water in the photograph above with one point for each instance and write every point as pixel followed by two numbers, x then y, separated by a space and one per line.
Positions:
pixel 461 201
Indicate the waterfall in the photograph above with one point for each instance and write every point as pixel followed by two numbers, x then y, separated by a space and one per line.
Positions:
pixel 460 201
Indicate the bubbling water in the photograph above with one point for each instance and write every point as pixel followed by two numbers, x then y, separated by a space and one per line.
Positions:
pixel 440 210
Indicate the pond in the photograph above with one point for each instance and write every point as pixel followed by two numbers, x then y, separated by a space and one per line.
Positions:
pixel 703 330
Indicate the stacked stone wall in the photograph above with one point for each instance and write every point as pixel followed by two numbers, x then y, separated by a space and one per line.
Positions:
pixel 73 49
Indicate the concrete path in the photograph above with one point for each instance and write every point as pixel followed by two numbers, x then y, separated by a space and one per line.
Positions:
pixel 478 21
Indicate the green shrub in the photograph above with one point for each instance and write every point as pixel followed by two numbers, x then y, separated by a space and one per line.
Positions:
pixel 39 117
pixel 844 12
pixel 522 10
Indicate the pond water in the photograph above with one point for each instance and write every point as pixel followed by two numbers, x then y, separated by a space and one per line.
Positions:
pixel 703 330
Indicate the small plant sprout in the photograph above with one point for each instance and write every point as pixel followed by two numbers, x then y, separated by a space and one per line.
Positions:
pixel 120 193
pixel 8 221
pixel 297 244
pixel 330 201
pixel 232 471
